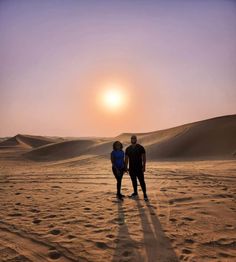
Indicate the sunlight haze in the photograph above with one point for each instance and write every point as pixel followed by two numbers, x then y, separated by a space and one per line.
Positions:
pixel 174 63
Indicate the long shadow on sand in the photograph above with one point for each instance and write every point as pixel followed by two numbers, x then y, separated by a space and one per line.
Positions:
pixel 126 248
pixel 157 244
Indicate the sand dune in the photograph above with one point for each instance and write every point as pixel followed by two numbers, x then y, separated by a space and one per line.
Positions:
pixel 70 149
pixel 61 150
pixel 62 206
pixel 208 139
pixel 27 141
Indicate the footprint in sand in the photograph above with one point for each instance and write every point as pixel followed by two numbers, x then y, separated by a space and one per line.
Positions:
pixel 34 210
pixel 225 255
pixel 89 225
pixel 50 216
pixel 71 236
pixel 163 189
pixel 188 218
pixel 101 245
pixel 224 196
pixel 37 221
pixel 99 230
pixel 229 226
pixel 110 236
pixel 189 241
pixel 186 251
pixel 222 242
pixel 55 231
pixel 15 214
pixel 204 212
pixel 54 254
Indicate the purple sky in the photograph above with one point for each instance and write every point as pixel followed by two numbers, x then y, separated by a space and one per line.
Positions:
pixel 176 60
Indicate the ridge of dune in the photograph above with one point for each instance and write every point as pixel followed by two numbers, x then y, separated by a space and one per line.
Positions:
pixel 210 138
pixel 213 138
pixel 60 150
pixel 27 141
pixel 207 139
pixel 12 142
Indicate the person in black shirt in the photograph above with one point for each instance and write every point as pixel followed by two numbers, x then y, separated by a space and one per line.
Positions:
pixel 135 157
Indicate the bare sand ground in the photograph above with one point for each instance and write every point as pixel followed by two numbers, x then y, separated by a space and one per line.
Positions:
pixel 67 211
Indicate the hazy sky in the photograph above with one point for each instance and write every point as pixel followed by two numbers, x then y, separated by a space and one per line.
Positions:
pixel 174 60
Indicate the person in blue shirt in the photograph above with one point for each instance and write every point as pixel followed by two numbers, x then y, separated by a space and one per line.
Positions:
pixel 118 165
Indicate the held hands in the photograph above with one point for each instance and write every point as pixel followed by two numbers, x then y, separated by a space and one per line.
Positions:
pixel 126 170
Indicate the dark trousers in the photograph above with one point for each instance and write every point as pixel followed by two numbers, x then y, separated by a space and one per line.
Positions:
pixel 118 173
pixel 134 174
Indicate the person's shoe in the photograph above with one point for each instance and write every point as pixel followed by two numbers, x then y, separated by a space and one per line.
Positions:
pixel 145 197
pixel 120 196
pixel 133 195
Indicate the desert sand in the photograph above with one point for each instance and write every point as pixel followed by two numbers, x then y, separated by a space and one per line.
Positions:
pixel 58 198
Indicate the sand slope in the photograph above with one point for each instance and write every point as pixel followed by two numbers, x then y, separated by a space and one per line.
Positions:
pixel 70 212
pixel 208 139
pixel 62 206
pixel 61 150
pixel 27 141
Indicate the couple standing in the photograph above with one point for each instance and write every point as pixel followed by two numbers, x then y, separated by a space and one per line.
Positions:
pixel 135 158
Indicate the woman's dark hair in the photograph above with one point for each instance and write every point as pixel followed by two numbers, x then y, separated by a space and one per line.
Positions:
pixel 116 143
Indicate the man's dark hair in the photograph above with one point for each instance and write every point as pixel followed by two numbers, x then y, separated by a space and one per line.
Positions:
pixel 115 143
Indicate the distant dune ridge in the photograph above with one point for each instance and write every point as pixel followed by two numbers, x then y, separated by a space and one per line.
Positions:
pixel 28 141
pixel 208 139
pixel 61 150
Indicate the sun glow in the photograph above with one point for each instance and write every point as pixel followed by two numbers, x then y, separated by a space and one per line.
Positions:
pixel 113 98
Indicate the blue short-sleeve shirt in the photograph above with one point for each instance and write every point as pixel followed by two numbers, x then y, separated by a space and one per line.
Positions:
pixel 118 156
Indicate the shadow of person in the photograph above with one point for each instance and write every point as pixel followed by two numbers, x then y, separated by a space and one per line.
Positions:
pixel 126 248
pixel 157 244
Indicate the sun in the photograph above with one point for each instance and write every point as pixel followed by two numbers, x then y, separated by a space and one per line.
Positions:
pixel 113 98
